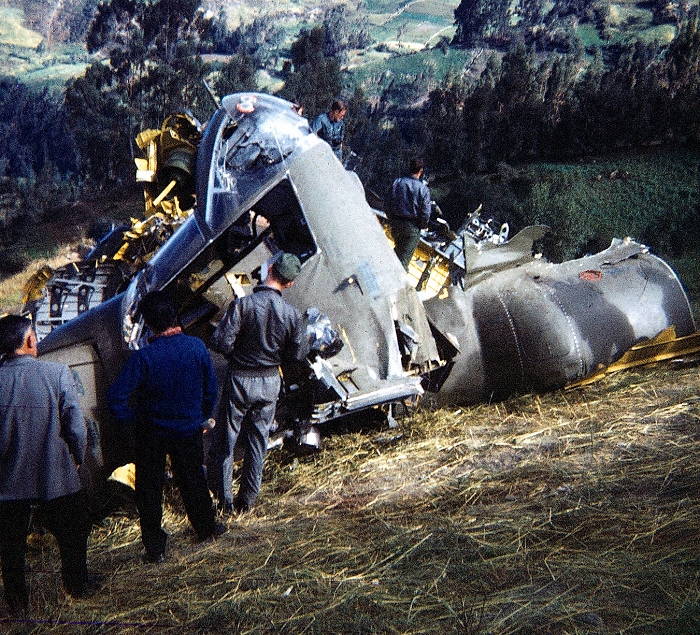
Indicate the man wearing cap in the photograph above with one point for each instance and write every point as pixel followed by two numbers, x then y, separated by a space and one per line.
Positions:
pixel 257 334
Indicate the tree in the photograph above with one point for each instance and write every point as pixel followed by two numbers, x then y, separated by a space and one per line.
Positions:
pixel 313 79
pixel 237 75
pixel 683 72
pixel 341 35
pixel 153 69
pixel 33 132
pixel 98 118
pixel 479 19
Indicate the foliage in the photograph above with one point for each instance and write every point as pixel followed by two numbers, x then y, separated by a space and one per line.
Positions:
pixel 341 35
pixel 152 70
pixel 312 79
pixel 236 75
pixel 651 198
pixel 260 40
pixel 525 107
pixel 480 19
pixel 33 132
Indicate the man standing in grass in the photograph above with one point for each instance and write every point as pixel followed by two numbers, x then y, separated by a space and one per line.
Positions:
pixel 42 445
pixel 173 382
pixel 257 333
pixel 330 127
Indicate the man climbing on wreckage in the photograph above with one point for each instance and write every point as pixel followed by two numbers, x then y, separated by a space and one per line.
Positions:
pixel 408 208
pixel 257 334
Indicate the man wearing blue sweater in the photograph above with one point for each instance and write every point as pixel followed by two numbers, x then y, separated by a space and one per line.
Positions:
pixel 174 388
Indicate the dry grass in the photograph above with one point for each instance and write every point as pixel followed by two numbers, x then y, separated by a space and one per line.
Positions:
pixel 574 512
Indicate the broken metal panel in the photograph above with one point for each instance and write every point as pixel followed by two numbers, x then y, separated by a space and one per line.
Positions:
pixel 476 316
pixel 356 278
pixel 452 315
pixel 541 326
pixel 91 347
pixel 99 327
pixel 663 347
pixel 256 168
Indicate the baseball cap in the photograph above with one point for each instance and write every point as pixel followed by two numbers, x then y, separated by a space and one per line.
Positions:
pixel 287 266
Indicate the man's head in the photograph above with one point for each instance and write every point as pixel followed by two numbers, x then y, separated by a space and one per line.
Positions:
pixel 416 166
pixel 337 111
pixel 158 311
pixel 285 268
pixel 17 336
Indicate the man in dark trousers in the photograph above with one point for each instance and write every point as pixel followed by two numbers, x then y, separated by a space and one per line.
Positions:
pixel 42 444
pixel 408 208
pixel 172 380
pixel 257 333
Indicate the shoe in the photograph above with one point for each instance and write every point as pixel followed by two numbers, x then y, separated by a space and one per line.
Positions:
pixel 239 507
pixel 91 586
pixel 154 558
pixel 219 529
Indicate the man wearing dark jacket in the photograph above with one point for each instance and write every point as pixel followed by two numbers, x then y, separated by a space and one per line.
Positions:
pixel 257 333
pixel 173 382
pixel 408 208
pixel 42 444
pixel 330 127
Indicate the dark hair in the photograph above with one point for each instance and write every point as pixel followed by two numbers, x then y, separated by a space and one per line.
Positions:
pixel 158 311
pixel 416 165
pixel 338 105
pixel 13 330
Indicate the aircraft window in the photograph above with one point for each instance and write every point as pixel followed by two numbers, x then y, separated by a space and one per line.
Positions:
pixel 232 263
pixel 288 224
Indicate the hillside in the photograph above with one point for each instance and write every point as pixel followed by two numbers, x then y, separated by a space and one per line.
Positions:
pixel 573 512
pixel 41 41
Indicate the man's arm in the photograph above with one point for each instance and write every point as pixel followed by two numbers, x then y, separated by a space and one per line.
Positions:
pixel 317 124
pixel 209 387
pixel 73 427
pixel 425 206
pixel 120 391
pixel 226 332
pixel 298 345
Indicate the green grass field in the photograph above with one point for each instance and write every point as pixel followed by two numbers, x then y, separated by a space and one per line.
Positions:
pixel 22 56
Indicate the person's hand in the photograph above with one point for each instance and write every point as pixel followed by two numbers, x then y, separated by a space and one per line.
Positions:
pixel 208 424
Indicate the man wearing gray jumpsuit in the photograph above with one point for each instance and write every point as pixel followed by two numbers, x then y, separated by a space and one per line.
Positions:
pixel 257 333
pixel 408 209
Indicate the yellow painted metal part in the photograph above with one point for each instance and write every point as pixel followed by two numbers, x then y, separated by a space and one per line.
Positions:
pixel 126 475
pixel 162 216
pixel 34 287
pixel 429 270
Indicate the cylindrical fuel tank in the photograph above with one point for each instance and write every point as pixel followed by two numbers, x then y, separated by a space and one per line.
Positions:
pixel 540 326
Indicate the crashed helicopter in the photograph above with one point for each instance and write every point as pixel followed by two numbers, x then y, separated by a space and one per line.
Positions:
pixel 477 315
